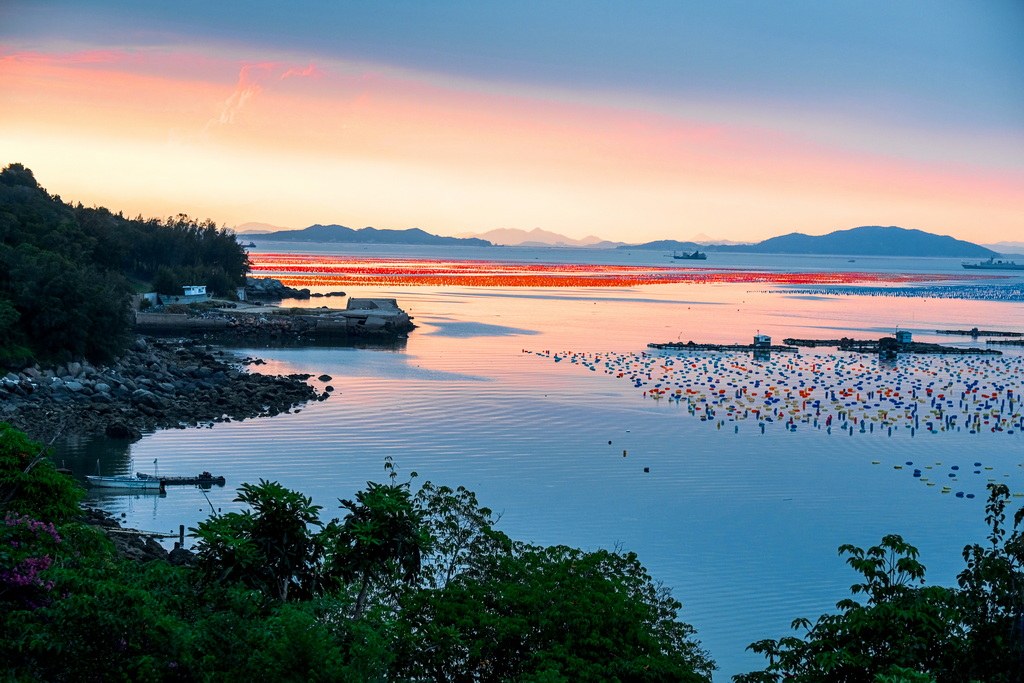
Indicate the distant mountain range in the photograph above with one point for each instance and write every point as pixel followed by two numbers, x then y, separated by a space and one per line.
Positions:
pixel 257 228
pixel 341 234
pixel 871 240
pixel 1007 247
pixel 514 237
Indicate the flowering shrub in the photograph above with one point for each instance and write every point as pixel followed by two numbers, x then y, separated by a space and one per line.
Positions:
pixel 31 485
pixel 26 552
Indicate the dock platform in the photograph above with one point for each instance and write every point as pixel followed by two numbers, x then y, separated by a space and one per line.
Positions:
pixel 975 332
pixel 203 479
pixel 692 346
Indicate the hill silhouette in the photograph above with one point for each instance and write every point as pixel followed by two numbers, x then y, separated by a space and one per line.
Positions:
pixel 341 234
pixel 870 240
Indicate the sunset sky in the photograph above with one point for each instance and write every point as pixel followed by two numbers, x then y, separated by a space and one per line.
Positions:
pixel 737 119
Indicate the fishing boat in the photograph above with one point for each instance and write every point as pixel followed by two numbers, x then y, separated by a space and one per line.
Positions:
pixel 690 255
pixel 992 264
pixel 123 482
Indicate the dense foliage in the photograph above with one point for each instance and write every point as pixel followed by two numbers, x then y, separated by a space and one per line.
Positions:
pixel 66 271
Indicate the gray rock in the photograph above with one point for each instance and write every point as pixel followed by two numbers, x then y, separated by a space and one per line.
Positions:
pixel 102 387
pixel 74 368
pixel 74 386
pixel 141 397
pixel 179 557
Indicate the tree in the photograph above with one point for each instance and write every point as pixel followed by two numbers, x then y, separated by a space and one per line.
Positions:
pixel 460 531
pixel 992 595
pixel 64 270
pixel 382 538
pixel 270 548
pixel 553 614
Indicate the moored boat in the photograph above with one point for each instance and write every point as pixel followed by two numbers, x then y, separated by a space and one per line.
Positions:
pixel 691 256
pixel 124 482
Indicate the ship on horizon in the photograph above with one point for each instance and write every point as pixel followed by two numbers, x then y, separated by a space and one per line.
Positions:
pixel 992 264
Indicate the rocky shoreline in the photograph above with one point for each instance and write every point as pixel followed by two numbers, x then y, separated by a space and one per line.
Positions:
pixel 156 384
pixel 133 544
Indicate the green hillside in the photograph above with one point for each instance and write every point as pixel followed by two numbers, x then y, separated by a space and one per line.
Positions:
pixel 66 271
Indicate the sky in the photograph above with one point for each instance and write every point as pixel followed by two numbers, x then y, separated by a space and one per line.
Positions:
pixel 735 119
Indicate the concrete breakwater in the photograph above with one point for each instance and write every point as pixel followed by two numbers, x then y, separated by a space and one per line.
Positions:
pixel 157 383
pixel 361 317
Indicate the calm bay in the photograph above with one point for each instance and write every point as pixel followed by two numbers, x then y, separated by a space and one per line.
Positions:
pixel 742 523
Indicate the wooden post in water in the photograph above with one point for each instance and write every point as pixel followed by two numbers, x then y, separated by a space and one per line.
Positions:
pixel 181 536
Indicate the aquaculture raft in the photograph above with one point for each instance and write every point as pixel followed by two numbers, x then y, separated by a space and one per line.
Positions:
pixel 975 332
pixel 890 346
pixel 692 346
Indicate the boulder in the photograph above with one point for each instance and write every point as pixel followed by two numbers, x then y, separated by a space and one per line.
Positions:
pixel 179 557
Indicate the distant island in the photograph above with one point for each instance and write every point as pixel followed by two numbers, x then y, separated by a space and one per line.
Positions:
pixel 871 240
pixel 341 234
pixel 514 237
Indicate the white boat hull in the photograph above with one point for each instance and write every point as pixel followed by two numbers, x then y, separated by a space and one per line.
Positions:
pixel 131 483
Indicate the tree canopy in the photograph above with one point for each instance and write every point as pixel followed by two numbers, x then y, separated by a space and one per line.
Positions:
pixel 66 272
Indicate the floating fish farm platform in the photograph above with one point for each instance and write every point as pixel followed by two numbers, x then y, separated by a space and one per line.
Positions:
pixel 975 332
pixel 691 346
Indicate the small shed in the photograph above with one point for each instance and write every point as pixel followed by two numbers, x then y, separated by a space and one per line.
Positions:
pixel 904 337
pixel 195 290
pixel 762 341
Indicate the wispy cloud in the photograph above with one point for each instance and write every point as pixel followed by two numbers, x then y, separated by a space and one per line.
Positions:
pixel 252 79
pixel 310 70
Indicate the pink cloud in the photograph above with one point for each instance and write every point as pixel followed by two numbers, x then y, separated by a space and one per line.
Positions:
pixel 310 70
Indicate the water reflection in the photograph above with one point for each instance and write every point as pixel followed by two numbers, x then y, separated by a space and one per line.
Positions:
pixel 93 455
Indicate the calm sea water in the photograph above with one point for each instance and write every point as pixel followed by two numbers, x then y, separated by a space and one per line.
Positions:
pixel 742 525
